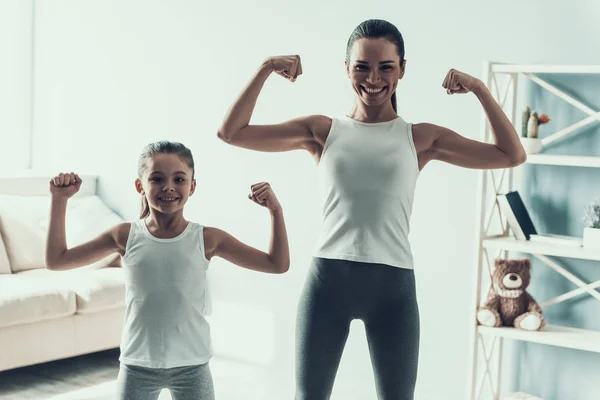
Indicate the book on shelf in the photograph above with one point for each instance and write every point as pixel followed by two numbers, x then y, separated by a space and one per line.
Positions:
pixel 514 209
pixel 516 213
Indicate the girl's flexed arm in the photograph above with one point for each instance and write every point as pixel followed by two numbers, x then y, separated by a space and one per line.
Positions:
pixel 58 256
pixel 277 260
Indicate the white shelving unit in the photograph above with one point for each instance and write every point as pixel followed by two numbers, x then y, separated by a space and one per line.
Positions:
pixel 486 342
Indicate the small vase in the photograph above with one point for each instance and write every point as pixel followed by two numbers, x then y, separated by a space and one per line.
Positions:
pixel 533 126
pixel 591 238
pixel 531 145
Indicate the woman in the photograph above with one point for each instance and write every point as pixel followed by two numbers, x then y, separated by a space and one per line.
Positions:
pixel 368 164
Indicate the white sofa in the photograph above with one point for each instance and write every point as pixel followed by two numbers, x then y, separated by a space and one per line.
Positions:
pixel 48 315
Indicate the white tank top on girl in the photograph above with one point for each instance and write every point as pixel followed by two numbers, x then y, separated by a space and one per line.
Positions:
pixel 165 298
pixel 367 178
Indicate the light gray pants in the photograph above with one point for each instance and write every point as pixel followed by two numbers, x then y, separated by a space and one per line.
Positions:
pixel 384 298
pixel 184 383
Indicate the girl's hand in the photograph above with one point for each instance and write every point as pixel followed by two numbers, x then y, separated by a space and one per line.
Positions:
pixel 262 194
pixel 459 82
pixel 287 66
pixel 64 186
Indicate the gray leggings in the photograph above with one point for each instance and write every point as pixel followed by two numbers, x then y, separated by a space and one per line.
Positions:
pixel 383 297
pixel 184 383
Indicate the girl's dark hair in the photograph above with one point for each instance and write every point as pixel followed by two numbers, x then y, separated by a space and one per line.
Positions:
pixel 161 147
pixel 378 28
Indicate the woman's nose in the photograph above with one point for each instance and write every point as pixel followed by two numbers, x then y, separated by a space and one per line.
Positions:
pixel 373 77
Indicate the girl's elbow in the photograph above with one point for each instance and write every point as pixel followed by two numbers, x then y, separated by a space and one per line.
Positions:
pixel 50 265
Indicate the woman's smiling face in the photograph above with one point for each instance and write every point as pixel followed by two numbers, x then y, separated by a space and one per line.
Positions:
pixel 374 70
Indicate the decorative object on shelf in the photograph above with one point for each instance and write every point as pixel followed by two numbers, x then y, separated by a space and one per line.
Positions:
pixel 524 120
pixel 512 206
pixel 591 220
pixel 534 123
pixel 520 396
pixel 508 303
pixel 516 214
pixel 530 122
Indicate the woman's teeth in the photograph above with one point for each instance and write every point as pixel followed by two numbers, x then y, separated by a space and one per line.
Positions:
pixel 372 91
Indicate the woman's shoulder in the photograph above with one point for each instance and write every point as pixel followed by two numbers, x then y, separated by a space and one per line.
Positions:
pixel 319 125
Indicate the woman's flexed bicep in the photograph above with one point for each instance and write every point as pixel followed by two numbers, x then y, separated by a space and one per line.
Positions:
pixel 434 142
pixel 303 133
pixel 296 134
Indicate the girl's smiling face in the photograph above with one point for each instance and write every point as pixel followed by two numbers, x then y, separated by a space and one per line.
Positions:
pixel 167 182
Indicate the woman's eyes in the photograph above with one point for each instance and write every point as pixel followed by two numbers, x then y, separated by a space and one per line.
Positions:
pixel 365 68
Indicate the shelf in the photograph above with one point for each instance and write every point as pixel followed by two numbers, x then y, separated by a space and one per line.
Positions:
pixel 526 246
pixel 553 335
pixel 520 396
pixel 568 161
pixel 546 69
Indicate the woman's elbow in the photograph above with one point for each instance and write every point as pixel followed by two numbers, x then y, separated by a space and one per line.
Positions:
pixel 221 135
pixel 282 268
pixel 518 159
pixel 225 136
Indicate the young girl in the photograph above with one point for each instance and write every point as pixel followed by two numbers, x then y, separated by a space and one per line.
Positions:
pixel 166 340
pixel 369 162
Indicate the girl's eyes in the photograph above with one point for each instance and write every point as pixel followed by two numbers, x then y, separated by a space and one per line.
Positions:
pixel 178 180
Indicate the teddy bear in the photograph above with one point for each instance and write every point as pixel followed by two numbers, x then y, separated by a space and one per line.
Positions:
pixel 508 303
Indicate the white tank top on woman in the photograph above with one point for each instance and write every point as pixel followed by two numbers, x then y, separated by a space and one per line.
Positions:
pixel 367 178
pixel 165 298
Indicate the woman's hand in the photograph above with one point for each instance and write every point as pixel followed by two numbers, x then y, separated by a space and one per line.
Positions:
pixel 459 82
pixel 289 67
pixel 262 194
pixel 64 186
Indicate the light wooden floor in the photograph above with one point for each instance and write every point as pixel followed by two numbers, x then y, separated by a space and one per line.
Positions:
pixel 233 380
pixel 45 380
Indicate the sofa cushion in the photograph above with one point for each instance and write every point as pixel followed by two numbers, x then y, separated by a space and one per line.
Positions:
pixel 95 289
pixel 24 223
pixel 28 299
pixel 4 263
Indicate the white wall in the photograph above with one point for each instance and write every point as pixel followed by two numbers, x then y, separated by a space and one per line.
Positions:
pixel 15 84
pixel 111 76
